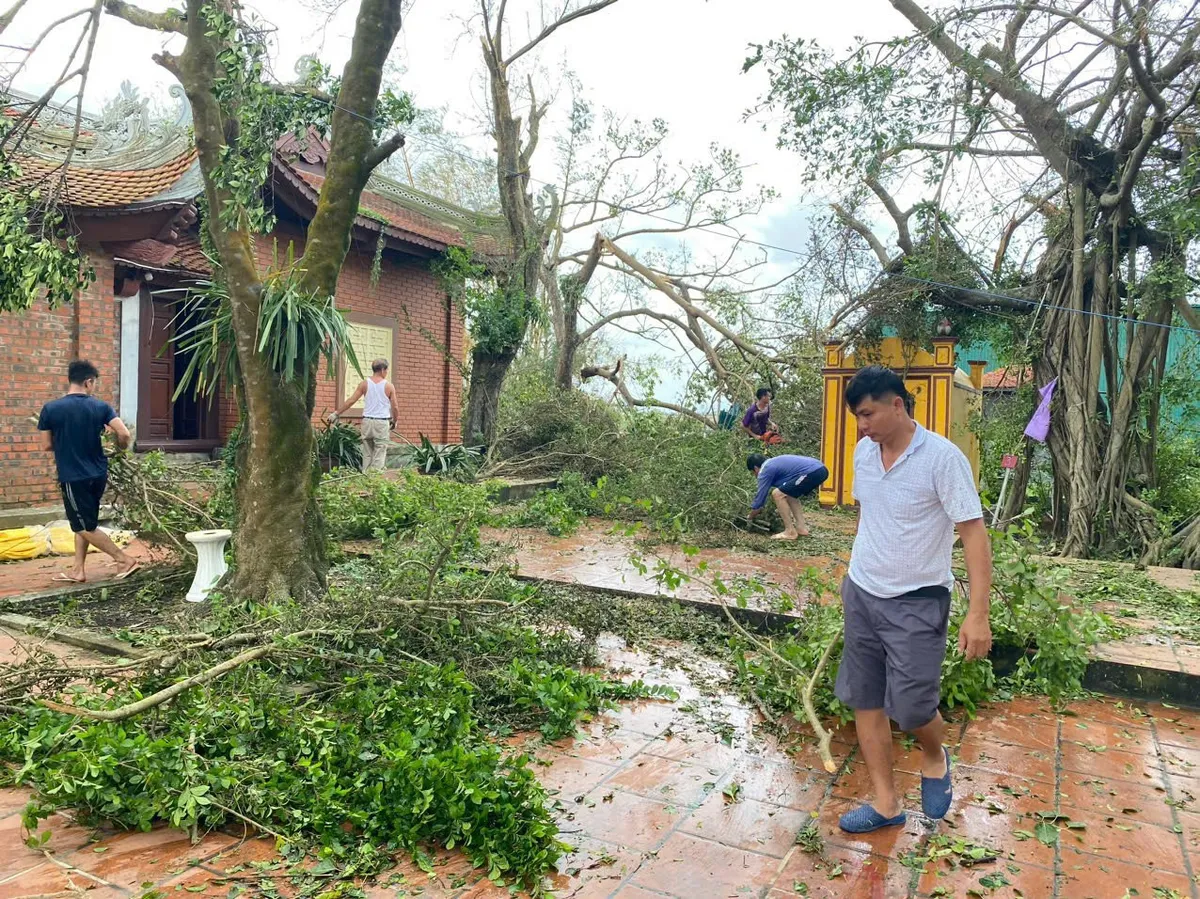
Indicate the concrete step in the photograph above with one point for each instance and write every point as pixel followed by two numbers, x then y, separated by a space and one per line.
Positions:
pixel 28 516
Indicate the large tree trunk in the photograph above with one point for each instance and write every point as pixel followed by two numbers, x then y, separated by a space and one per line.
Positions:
pixel 280 541
pixel 1094 442
pixel 568 340
pixel 488 371
pixel 566 296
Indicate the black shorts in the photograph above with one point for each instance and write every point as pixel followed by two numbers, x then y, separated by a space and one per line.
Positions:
pixel 805 485
pixel 82 499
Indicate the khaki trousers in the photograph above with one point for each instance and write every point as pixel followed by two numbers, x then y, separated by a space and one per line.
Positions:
pixel 375 440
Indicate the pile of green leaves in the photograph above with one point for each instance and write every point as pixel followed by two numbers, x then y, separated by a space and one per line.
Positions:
pixel 1034 615
pixel 1136 594
pixel 369 728
pixel 374 506
pixel 669 472
pixel 688 477
pixel 395 762
pixel 542 430
pixel 1035 624
pixel 559 511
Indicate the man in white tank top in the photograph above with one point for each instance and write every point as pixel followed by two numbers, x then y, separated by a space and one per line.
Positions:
pixel 379 413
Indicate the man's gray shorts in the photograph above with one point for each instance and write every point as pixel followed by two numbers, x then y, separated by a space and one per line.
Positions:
pixel 893 654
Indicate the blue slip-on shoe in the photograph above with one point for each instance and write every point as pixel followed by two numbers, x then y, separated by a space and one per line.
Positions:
pixel 937 793
pixel 865 819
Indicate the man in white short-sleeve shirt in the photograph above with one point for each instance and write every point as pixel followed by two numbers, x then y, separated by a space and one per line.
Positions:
pixel 914 489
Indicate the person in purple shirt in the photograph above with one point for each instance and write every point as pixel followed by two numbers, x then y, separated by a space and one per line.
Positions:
pixel 757 420
pixel 786 479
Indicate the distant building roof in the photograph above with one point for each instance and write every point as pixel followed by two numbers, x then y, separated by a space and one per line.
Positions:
pixel 125 163
pixel 1008 378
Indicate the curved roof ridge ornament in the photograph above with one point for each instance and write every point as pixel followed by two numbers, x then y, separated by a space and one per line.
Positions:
pixel 125 136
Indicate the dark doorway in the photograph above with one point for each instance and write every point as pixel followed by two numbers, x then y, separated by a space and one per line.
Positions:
pixel 164 422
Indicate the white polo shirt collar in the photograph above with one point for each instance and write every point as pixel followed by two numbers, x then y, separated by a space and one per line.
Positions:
pixel 918 438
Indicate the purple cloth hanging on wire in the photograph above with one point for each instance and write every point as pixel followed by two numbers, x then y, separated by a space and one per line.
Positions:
pixel 1039 426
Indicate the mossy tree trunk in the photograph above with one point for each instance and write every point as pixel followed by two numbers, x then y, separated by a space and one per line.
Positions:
pixel 280 539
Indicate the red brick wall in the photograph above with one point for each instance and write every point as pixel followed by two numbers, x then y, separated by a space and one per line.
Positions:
pixel 428 387
pixel 35 348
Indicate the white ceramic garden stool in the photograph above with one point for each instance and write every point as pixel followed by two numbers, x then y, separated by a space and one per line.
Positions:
pixel 210 561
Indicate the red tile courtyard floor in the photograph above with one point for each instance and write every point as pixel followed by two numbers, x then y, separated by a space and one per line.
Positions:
pixel 696 799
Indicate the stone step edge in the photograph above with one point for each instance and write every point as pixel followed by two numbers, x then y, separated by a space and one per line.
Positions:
pixel 71 636
pixel 1113 678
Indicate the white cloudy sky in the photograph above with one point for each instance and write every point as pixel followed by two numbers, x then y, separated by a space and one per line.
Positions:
pixel 676 59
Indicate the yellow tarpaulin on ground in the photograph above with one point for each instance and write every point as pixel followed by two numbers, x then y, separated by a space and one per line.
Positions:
pixel 62 539
pixel 17 544
pixel 23 543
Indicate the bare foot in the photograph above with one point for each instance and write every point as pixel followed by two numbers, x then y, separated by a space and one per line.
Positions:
pixel 784 535
pixel 70 578
pixel 808 533
pixel 128 568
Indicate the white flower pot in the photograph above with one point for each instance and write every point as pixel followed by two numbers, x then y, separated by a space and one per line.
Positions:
pixel 210 564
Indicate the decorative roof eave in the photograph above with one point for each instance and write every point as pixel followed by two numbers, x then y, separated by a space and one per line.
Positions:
pixel 147 267
pixel 129 209
pixel 363 223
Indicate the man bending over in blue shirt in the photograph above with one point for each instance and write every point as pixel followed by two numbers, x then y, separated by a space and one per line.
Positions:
pixel 786 478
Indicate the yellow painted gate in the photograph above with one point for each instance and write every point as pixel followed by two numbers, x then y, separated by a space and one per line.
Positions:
pixel 944 399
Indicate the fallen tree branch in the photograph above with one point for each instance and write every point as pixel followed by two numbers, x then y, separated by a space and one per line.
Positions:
pixel 823 736
pixel 157 699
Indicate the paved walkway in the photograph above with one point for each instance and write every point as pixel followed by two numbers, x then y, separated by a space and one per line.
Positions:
pixel 38 575
pixel 1079 806
pixel 596 556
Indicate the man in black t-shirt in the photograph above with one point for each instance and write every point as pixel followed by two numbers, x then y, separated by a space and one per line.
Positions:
pixel 73 425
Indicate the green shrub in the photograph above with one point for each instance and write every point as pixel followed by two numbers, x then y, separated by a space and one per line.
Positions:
pixel 339 446
pixel 372 505
pixel 1178 493
pixel 451 459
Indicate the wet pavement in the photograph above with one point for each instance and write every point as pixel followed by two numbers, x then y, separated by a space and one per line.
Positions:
pixel 697 799
pixel 603 557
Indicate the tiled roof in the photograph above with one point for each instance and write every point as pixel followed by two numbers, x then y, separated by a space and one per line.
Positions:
pixel 414 223
pixel 1007 378
pixel 184 255
pixel 96 188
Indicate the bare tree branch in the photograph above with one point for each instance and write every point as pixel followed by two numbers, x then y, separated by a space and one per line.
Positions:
pixel 383 150
pixel 172 20
pixel 7 17
pixel 615 376
pixel 553 26
pixel 863 231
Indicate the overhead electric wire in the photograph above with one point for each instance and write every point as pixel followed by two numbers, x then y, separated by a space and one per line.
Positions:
pixel 798 254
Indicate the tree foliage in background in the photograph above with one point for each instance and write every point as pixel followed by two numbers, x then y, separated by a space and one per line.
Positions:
pixel 1054 150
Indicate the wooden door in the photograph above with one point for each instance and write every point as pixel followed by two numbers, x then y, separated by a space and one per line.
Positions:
pixel 158 370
